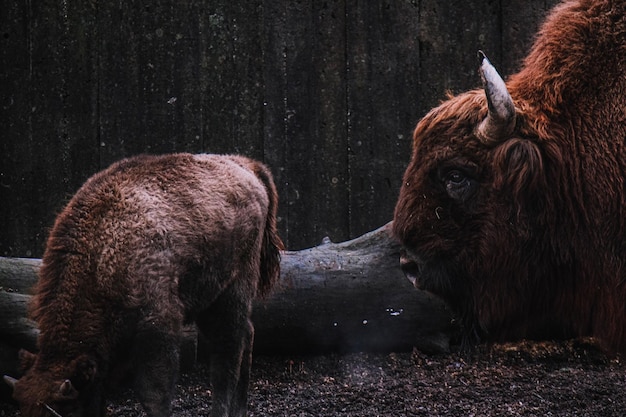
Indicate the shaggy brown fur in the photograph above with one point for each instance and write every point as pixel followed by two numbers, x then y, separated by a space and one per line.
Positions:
pixel 526 233
pixel 145 245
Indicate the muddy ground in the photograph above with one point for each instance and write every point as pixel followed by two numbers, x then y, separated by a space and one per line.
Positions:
pixel 526 379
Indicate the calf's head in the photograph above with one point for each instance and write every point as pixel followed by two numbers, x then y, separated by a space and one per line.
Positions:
pixel 52 389
pixel 463 213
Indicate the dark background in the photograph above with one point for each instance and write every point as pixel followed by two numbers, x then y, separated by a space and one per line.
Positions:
pixel 325 92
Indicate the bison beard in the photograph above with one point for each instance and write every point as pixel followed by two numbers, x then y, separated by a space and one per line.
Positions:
pixel 512 207
pixel 446 278
pixel 143 247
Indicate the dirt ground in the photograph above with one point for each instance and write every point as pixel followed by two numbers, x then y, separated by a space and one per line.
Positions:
pixel 525 379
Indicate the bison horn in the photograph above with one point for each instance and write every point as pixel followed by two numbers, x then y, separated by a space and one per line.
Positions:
pixel 500 120
pixel 10 381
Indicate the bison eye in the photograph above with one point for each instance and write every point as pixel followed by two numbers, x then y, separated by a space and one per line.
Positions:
pixel 458 185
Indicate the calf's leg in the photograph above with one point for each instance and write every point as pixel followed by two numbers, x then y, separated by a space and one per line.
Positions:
pixel 229 333
pixel 239 402
pixel 156 354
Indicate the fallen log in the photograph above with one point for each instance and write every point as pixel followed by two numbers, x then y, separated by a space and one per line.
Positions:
pixel 348 296
pixel 16 278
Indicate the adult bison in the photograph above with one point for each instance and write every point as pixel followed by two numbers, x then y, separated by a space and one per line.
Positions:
pixel 513 206
pixel 143 247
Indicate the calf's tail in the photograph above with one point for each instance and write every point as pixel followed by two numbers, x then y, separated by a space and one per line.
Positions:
pixel 272 244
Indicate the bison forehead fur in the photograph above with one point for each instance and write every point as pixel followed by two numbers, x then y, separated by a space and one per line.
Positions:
pixel 143 246
pixel 520 225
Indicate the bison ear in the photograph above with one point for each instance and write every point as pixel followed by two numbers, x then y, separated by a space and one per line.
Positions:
pixel 26 359
pixel 518 168
pixel 84 370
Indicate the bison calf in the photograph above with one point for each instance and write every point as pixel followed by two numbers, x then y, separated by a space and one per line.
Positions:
pixel 146 245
